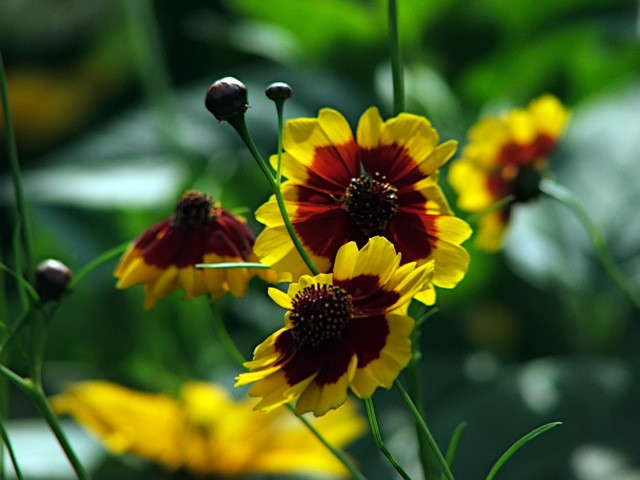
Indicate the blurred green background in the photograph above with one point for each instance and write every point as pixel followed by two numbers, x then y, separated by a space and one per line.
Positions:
pixel 107 100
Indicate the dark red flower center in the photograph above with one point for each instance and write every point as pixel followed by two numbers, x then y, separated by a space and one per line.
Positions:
pixel 319 313
pixel 194 209
pixel 371 203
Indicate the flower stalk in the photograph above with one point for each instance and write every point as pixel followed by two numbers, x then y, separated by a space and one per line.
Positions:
pixel 240 126
pixel 566 198
pixel 397 72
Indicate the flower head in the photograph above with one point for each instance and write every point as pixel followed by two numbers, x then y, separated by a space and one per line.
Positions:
pixel 348 329
pixel 382 183
pixel 163 258
pixel 506 155
pixel 205 432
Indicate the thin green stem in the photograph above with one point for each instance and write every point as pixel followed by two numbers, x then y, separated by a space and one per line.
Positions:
pixel 375 430
pixel 425 431
pixel 518 445
pixel 10 451
pixel 428 461
pixel 504 201
pixel 36 394
pixel 566 198
pixel 22 282
pixel 155 78
pixel 239 124
pixel 96 262
pixel 279 109
pixel 397 72
pixel 26 261
pixel 453 444
pixel 225 338
pixel 214 266
pixel 233 351
pixel 355 473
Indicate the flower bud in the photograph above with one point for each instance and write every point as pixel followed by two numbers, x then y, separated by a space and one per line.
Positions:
pixel 278 91
pixel 227 98
pixel 52 278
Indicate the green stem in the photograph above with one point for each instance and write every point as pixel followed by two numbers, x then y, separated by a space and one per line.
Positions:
pixel 239 124
pixel 24 265
pixel 109 254
pixel 279 109
pixel 504 201
pixel 425 431
pixel 375 430
pixel 155 78
pixel 10 451
pixel 231 348
pixel 35 392
pixel 225 338
pixel 355 473
pixel 414 385
pixel 566 198
pixel 396 59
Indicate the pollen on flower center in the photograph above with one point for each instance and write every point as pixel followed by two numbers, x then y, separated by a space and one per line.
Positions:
pixel 371 203
pixel 319 313
pixel 194 209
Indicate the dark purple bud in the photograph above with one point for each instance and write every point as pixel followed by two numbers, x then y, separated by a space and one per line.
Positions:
pixel 278 91
pixel 52 278
pixel 227 98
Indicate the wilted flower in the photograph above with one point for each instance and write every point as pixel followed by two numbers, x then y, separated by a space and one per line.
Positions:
pixel 383 182
pixel 163 258
pixel 205 432
pixel 348 329
pixel 506 155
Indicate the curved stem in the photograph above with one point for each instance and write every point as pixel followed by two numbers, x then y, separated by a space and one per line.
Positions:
pixel 566 198
pixel 396 59
pixel 240 126
pixel 96 262
pixel 35 392
pixel 425 431
pixel 375 430
pixel 355 473
pixel 225 338
pixel 504 201
pixel 25 264
pixel 12 455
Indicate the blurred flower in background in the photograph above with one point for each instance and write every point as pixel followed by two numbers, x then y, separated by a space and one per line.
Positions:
pixel 205 431
pixel 506 155
pixel 163 258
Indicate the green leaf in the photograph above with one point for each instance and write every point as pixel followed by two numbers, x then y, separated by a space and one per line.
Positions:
pixel 518 445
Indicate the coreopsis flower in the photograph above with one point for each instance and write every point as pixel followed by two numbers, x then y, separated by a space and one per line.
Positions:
pixel 205 432
pixel 383 182
pixel 506 155
pixel 346 329
pixel 163 258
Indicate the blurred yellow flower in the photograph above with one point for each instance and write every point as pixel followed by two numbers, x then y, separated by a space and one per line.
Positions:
pixel 164 256
pixel 506 155
pixel 206 432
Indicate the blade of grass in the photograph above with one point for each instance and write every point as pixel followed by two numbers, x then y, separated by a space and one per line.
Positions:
pixel 518 445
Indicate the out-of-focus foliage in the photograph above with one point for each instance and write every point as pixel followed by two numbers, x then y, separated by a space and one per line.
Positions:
pixel 532 335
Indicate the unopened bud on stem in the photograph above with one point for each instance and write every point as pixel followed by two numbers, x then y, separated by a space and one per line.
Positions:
pixel 278 91
pixel 227 98
pixel 52 279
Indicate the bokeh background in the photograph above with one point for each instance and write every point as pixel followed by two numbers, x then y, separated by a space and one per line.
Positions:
pixel 107 100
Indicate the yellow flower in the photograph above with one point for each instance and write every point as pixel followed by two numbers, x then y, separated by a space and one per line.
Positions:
pixel 348 329
pixel 205 432
pixel 163 257
pixel 383 182
pixel 506 155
